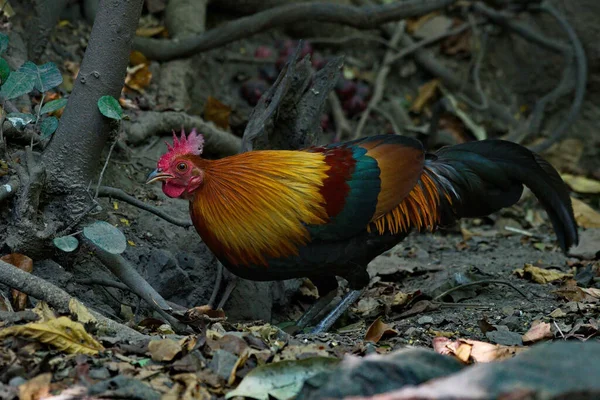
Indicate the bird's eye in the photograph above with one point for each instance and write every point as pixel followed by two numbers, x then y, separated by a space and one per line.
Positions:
pixel 181 167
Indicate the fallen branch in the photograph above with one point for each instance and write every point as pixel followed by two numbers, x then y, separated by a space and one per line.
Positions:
pixel 380 79
pixel 115 193
pixel 137 284
pixel 369 17
pixel 42 290
pixel 151 123
pixel 342 126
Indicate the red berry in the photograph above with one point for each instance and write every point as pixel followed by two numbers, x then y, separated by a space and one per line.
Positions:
pixel 325 122
pixel 253 89
pixel 263 52
pixel 354 105
pixel 363 90
pixel 345 88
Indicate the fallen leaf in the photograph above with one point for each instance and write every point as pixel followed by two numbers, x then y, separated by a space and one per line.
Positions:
pixel 412 24
pixel 571 292
pixel 427 92
pixel 538 331
pixel 367 306
pixel 138 77
pixel 21 261
pixel 81 312
pixel 43 310
pixel 585 215
pixel 164 349
pixel 187 387
pixel 217 112
pixel 377 330
pixel 149 31
pixel 581 184
pixel 457 44
pixel 540 275
pixel 62 333
pixel 469 351
pixel 36 388
pixel 281 380
pixel 136 58
pixel 400 299
pixel 433 27
pixel 558 313
pixel 594 292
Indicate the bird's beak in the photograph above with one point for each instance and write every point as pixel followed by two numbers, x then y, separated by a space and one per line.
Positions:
pixel 157 175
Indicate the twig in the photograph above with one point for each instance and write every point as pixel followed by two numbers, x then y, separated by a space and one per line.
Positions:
pixel 342 126
pixel 138 285
pixel 107 191
pixel 112 146
pixel 559 330
pixel 104 282
pixel 481 48
pixel 379 86
pixel 40 289
pixel 431 40
pixel 351 38
pixel 580 79
pixel 37 118
pixel 358 17
pixel 481 282
pixel 390 118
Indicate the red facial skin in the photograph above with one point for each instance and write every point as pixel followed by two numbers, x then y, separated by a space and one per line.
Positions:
pixel 186 178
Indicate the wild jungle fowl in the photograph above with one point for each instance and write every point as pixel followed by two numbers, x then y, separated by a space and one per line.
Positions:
pixel 328 211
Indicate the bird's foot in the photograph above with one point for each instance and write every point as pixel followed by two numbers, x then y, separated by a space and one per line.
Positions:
pixel 337 312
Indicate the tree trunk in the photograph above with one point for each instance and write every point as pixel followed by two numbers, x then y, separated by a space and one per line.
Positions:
pixel 72 156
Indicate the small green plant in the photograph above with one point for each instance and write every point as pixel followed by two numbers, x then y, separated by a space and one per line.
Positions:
pixel 24 80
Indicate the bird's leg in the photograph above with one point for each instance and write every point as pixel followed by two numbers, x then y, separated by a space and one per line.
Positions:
pixel 341 308
pixel 231 283
pixel 315 309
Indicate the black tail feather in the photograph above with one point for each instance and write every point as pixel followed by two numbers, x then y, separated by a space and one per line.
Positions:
pixel 484 176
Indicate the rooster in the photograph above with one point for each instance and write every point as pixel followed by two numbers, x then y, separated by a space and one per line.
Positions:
pixel 327 211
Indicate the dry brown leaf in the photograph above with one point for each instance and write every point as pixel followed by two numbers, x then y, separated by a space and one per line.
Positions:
pixel 594 292
pixel 427 92
pixel 186 387
pixel 62 333
pixel 412 24
pixel 21 261
pixel 377 330
pixel 43 310
pixel 469 351
pixel 456 44
pixel 571 292
pixel 205 312
pixel 217 112
pixel 401 299
pixel 36 388
pixel 137 58
pixel 540 275
pixel 581 184
pixel 539 331
pixel 81 312
pixel 164 349
pixel 138 77
pixel 585 215
pixel 149 31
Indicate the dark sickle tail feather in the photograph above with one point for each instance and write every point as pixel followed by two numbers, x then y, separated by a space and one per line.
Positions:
pixel 484 176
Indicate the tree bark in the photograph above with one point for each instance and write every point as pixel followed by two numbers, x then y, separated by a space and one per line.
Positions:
pixel 72 156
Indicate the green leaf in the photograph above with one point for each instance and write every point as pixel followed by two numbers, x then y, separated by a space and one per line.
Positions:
pixel 281 380
pixel 19 120
pixel 110 107
pixel 53 105
pixel 48 127
pixel 46 76
pixel 4 70
pixel 3 42
pixel 66 243
pixel 106 237
pixel 17 84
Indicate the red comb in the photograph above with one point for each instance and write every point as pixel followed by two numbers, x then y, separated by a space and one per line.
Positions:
pixel 190 144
